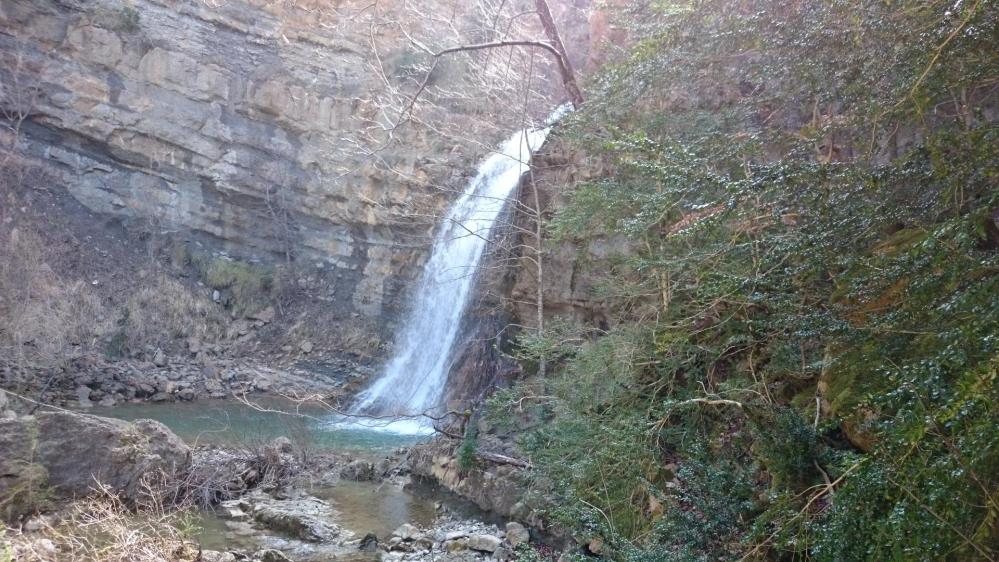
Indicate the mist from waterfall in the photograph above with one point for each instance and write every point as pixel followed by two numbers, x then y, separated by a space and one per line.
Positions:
pixel 413 381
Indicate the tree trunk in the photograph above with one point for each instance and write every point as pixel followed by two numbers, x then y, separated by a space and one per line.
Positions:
pixel 565 66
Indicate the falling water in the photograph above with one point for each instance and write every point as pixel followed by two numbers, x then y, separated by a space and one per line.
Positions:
pixel 413 381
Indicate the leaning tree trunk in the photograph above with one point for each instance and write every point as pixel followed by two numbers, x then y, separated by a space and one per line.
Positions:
pixel 565 66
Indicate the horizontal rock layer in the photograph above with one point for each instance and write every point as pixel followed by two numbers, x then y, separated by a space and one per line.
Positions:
pixel 247 125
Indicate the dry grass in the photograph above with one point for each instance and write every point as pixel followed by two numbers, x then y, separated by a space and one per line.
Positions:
pixel 102 528
pixel 45 317
pixel 49 318
pixel 164 311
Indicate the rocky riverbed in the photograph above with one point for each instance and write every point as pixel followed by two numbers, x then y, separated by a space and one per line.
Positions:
pixel 267 503
pixel 91 380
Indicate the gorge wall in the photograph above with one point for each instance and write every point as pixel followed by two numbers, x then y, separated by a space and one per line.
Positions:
pixel 249 126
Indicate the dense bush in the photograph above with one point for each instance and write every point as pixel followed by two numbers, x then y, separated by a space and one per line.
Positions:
pixel 804 355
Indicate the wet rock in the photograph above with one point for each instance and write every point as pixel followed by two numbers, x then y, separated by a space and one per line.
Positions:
pixel 369 543
pixel 484 543
pixel 302 517
pixel 270 555
pixel 235 510
pixel 517 534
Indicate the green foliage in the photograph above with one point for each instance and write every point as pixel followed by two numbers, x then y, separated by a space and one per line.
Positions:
pixel 248 286
pixel 466 451
pixel 26 490
pixel 128 19
pixel 125 19
pixel 807 191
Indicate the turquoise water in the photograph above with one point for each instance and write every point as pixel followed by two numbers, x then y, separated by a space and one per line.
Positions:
pixel 234 423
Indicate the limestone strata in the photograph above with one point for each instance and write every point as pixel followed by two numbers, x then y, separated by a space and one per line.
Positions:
pixel 246 124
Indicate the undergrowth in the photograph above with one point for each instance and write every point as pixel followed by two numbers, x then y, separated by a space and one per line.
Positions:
pixel 805 339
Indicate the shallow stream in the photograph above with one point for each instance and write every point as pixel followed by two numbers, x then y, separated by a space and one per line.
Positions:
pixel 363 507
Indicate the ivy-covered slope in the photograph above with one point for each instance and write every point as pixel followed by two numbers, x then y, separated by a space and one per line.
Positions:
pixel 803 354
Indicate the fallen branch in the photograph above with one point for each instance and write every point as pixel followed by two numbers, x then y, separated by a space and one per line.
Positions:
pixel 502 459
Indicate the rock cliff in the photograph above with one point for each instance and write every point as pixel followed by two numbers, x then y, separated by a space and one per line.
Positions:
pixel 249 126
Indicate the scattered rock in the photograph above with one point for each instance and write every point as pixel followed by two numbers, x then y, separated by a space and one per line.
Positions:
pixel 517 534
pixel 266 315
pixel 270 555
pixel 406 532
pixel 358 470
pixel 484 543
pixel 216 556
pixel 306 346
pixel 160 358
pixel 83 397
pixel 596 545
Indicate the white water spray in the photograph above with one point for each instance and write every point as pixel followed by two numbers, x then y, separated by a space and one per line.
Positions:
pixel 413 382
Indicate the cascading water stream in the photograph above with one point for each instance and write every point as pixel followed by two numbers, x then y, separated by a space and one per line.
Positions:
pixel 413 382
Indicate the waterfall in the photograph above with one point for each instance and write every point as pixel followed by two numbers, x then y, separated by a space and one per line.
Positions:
pixel 413 381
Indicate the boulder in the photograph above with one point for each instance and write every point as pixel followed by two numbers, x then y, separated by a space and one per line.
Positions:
pixel 76 451
pixel 517 534
pixel 306 347
pixel 406 532
pixel 484 543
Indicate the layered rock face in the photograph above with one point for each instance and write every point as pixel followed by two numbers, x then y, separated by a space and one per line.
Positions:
pixel 245 125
